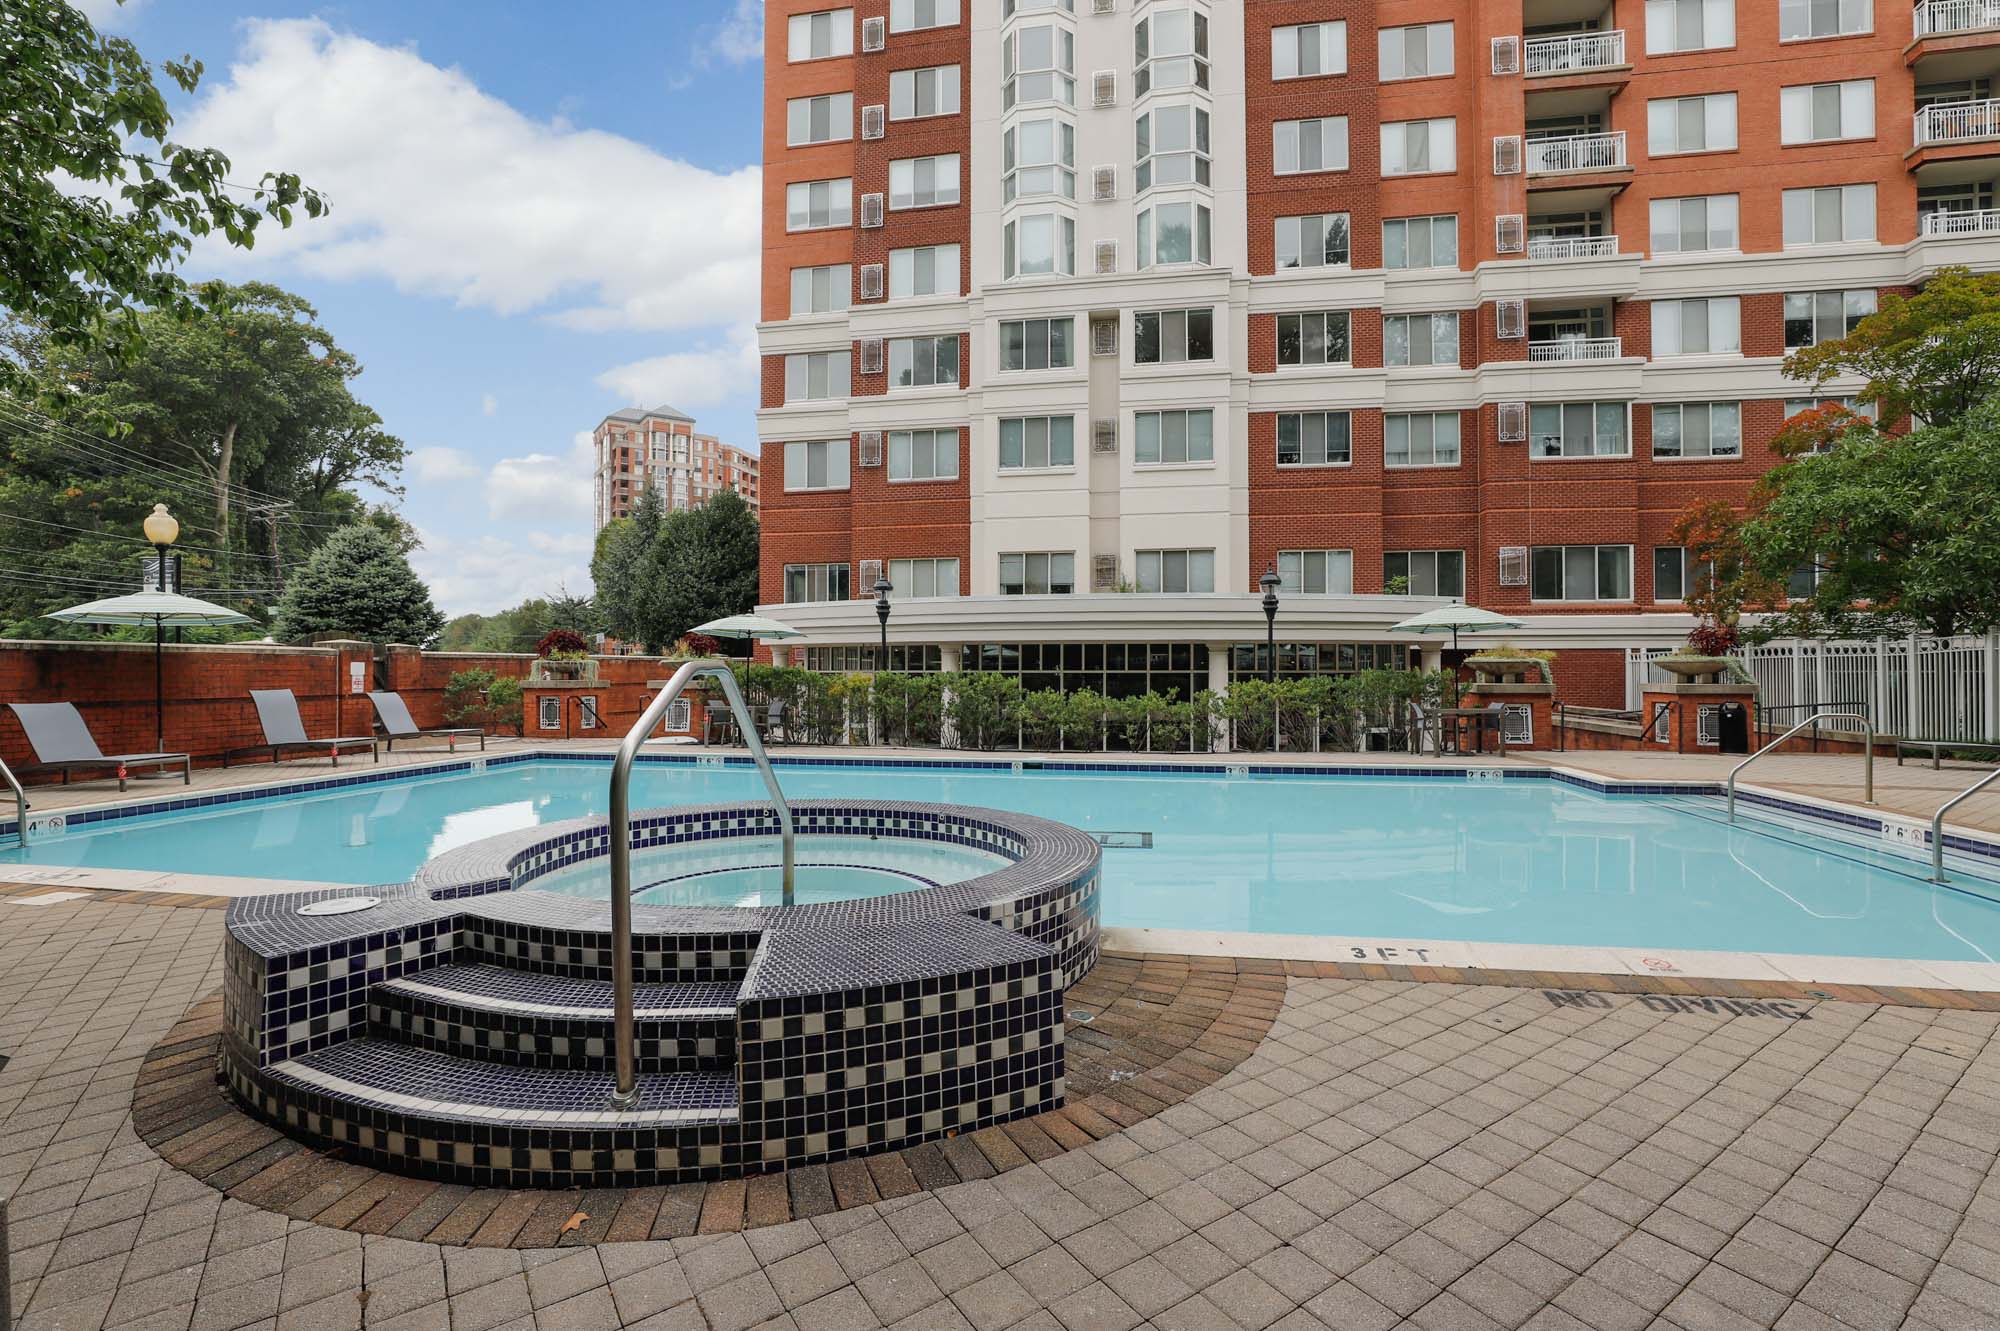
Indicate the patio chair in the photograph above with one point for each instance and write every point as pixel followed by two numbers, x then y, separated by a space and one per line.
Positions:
pixel 62 743
pixel 392 715
pixel 773 722
pixel 278 713
pixel 718 723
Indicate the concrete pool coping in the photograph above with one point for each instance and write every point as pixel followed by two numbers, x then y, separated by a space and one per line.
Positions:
pixel 1516 958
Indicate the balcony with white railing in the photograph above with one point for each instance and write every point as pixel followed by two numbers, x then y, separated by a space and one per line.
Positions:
pixel 1577 152
pixel 1944 18
pixel 1969 222
pixel 1957 122
pixel 1577 348
pixel 1572 247
pixel 1572 53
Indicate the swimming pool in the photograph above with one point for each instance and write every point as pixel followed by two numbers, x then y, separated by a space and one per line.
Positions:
pixel 746 872
pixel 1498 861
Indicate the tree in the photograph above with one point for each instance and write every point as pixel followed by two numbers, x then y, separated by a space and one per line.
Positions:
pixel 1903 532
pixel 1934 355
pixel 358 583
pixel 616 567
pixel 100 206
pixel 1720 585
pixel 703 566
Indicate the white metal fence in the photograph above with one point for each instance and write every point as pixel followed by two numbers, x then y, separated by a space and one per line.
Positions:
pixel 1918 688
pixel 1577 152
pixel 1569 52
pixel 1957 122
pixel 1934 17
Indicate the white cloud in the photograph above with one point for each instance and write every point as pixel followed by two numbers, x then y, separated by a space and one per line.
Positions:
pixel 437 466
pixel 108 15
pixel 692 380
pixel 737 39
pixel 546 487
pixel 489 405
pixel 484 574
pixel 447 191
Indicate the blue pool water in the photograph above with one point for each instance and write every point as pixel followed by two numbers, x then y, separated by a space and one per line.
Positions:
pixel 746 872
pixel 1531 861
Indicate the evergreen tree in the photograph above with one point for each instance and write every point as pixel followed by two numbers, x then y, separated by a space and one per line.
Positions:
pixel 358 583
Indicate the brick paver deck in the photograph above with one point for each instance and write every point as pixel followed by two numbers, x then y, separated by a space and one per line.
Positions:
pixel 1394 1153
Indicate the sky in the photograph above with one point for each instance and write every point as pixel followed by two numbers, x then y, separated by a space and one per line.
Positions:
pixel 540 213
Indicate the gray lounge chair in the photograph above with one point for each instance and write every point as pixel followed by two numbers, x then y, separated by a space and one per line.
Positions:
pixel 278 713
pixel 392 714
pixel 62 743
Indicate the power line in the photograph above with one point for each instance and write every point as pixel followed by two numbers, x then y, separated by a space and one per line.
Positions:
pixel 112 569
pixel 99 534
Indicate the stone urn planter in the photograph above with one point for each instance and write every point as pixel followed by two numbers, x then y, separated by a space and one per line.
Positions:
pixel 1694 669
pixel 1508 669
pixel 563 669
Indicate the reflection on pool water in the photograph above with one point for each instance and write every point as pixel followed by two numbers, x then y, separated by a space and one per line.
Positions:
pixel 745 872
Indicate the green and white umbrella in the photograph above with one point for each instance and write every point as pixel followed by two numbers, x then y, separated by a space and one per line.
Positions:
pixel 161 610
pixel 748 626
pixel 1454 619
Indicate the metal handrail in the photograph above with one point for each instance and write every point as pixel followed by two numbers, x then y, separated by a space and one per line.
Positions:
pixel 627 1093
pixel 20 802
pixel 1937 821
pixel 1868 753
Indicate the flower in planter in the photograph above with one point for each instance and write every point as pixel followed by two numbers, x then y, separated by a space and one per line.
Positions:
pixel 562 645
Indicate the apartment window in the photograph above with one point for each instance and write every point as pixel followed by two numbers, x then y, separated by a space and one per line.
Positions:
pixel 1711 326
pixel 1305 50
pixel 1174 571
pixel 1163 337
pixel 816 582
pixel 811 376
pixel 1414 147
pixel 1829 215
pixel 1029 6
pixel 1316 572
pixel 1425 572
pixel 1314 439
pixel 1691 124
pixel 1420 439
pixel 1318 241
pixel 820 464
pixel 926 270
pixel 1812 317
pixel 1697 222
pixel 1173 147
pixel 827 119
pixel 1675 575
pixel 1795 405
pixel 1314 339
pixel 916 93
pixel 1420 242
pixel 1036 344
pixel 1170 50
pixel 923 182
pixel 1300 146
pixel 1037 244
pixel 1038 64
pixel 1698 430
pixel 1689 25
pixel 1029 443
pixel 923 362
pixel 1420 339
pixel 1168 437
pixel 1419 51
pixel 1801 19
pixel 923 577
pixel 1038 157
pixel 923 455
pixel 821 290
pixel 1819 112
pixel 818 36
pixel 812 204
pixel 912 15
pixel 1578 430
pixel 1173 233
pixel 1038 573
pixel 1580 573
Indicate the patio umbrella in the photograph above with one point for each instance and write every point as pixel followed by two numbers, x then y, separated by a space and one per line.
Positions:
pixel 1454 619
pixel 748 626
pixel 160 609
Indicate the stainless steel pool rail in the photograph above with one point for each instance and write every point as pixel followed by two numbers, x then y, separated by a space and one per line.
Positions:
pixel 1867 760
pixel 1937 821
pixel 20 802
pixel 627 1093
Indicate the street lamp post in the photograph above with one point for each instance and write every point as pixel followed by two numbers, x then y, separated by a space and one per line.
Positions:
pixel 1269 582
pixel 882 589
pixel 161 532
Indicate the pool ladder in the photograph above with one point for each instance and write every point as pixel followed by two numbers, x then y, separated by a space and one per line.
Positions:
pixel 20 802
pixel 1867 761
pixel 1937 822
pixel 627 1093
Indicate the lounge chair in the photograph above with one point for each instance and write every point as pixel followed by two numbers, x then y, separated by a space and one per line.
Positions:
pixel 62 743
pixel 392 714
pixel 278 713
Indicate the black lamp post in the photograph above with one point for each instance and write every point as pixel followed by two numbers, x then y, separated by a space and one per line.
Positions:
pixel 1269 582
pixel 882 589
pixel 161 533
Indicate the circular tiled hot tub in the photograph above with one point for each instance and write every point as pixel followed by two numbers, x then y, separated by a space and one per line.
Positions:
pixel 461 1028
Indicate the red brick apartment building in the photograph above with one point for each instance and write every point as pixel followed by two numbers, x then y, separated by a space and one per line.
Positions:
pixel 636 448
pixel 1408 300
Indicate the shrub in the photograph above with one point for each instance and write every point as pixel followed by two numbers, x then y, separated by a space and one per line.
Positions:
pixel 908 709
pixel 984 709
pixel 563 645
pixel 481 698
pixel 1712 639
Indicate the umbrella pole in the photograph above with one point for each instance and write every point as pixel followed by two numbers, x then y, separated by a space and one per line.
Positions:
pixel 1454 666
pixel 159 691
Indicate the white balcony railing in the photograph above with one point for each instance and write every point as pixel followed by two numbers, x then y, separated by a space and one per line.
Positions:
pixel 1937 17
pixel 1971 222
pixel 1572 247
pixel 1578 152
pixel 1958 122
pixel 1574 52
pixel 1577 348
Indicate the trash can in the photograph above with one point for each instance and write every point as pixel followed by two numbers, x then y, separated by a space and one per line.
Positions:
pixel 1732 728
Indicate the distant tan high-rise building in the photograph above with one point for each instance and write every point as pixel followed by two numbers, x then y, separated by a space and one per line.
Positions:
pixel 658 447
